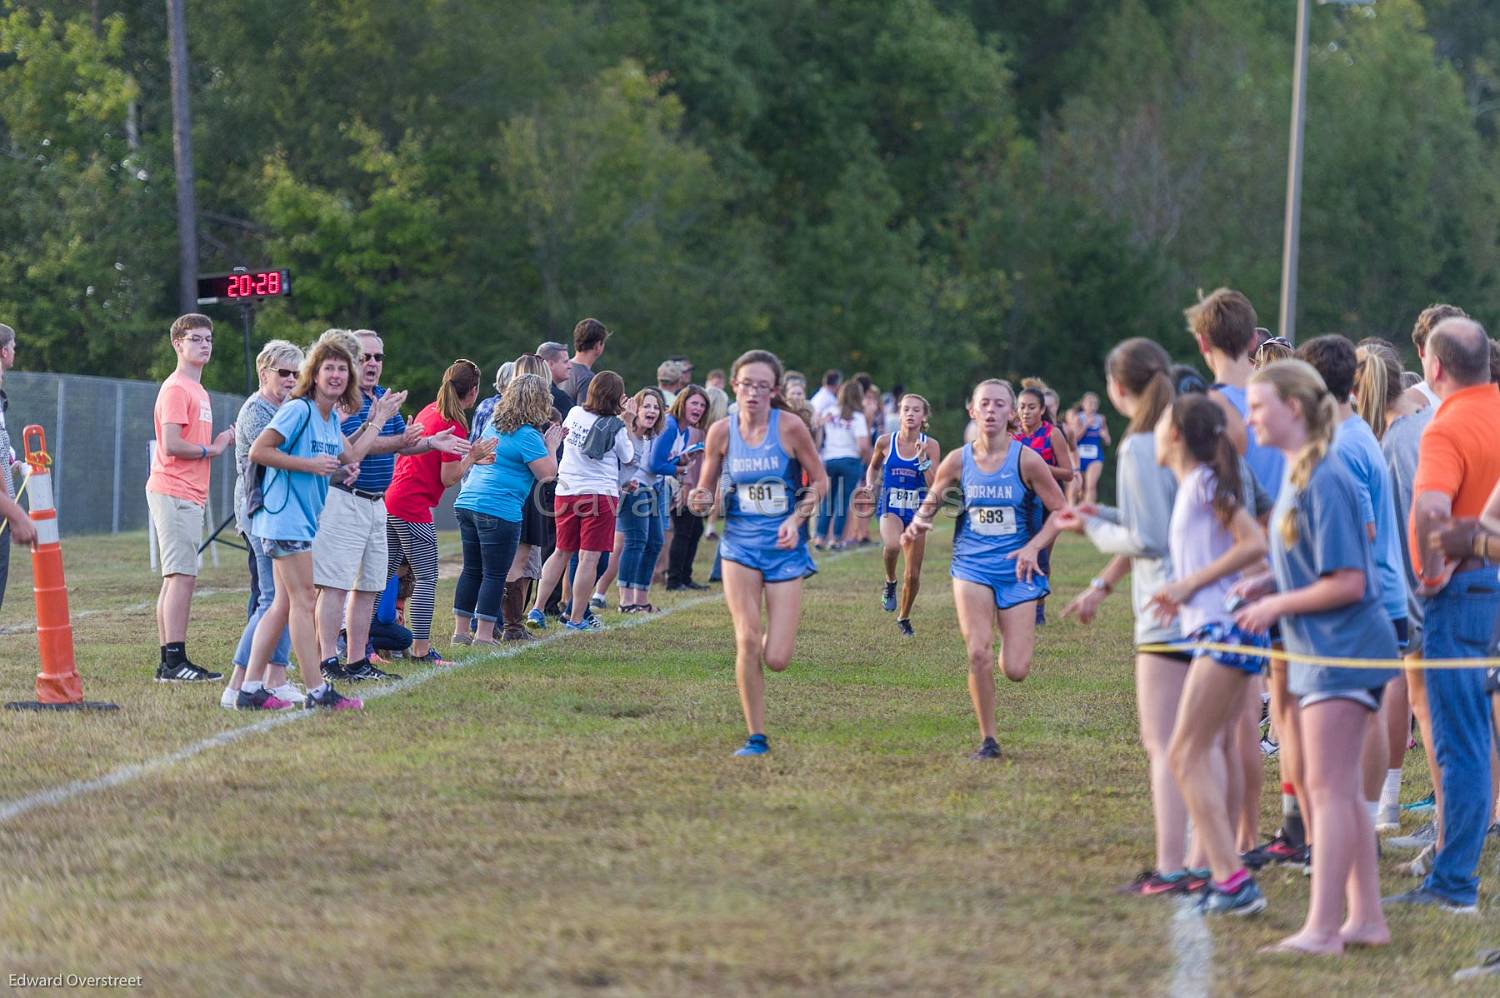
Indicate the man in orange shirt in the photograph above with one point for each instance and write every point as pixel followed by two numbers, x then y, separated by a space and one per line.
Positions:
pixel 177 490
pixel 1457 469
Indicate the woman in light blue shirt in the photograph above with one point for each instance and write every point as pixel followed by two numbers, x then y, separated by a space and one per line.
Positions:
pixel 490 507
pixel 300 450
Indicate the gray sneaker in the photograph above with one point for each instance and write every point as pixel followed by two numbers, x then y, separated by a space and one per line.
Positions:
pixel 1247 900
pixel 1488 966
pixel 1420 839
pixel 1421 897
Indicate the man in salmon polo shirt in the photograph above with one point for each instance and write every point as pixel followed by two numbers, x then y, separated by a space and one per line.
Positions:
pixel 177 490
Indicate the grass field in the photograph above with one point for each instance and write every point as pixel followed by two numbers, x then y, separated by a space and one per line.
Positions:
pixel 569 819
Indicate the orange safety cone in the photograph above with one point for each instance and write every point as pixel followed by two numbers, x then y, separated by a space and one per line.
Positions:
pixel 57 685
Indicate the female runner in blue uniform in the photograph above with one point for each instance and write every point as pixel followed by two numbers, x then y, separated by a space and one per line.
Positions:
pixel 995 573
pixel 1092 435
pixel 901 480
pixel 762 452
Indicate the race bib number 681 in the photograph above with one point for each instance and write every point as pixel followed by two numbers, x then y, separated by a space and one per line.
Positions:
pixel 763 498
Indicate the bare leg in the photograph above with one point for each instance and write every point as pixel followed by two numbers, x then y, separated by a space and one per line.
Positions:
pixel 1211 702
pixel 173 607
pixel 976 619
pixel 583 583
pixel 890 544
pixel 742 591
pixel 1158 685
pixel 911 581
pixel 553 569
pixel 330 611
pixel 357 625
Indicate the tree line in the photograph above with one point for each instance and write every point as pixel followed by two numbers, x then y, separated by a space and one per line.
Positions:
pixel 929 190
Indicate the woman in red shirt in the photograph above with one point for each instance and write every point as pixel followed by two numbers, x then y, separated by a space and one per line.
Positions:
pixel 417 487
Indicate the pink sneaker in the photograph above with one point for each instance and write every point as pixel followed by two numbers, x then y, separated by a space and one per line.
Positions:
pixel 334 700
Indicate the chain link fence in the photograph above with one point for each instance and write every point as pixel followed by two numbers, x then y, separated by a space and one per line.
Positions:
pixel 99 433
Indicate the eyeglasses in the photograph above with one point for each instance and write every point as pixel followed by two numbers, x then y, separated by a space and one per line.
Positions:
pixel 197 340
pixel 379 358
pixel 754 387
pixel 282 372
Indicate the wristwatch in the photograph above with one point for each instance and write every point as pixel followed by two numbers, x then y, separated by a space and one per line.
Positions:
pixel 1101 585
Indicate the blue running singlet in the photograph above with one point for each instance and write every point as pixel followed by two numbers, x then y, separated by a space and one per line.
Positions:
pixel 763 483
pixel 998 519
pixel 1090 443
pixel 903 482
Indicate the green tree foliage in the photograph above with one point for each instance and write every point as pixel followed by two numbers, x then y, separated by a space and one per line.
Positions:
pixel 930 190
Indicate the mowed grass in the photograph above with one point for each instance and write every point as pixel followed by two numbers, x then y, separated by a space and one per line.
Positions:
pixel 569 819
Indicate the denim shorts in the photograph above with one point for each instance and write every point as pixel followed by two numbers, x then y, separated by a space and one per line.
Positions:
pixel 1224 633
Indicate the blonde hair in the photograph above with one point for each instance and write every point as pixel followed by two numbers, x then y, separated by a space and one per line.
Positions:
pixel 718 405
pixel 1298 381
pixel 332 345
pixel 1377 382
pixel 926 407
pixel 530 363
pixel 278 353
pixel 527 402
pixel 461 378
pixel 1009 390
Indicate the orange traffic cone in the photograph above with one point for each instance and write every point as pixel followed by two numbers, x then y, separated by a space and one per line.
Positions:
pixel 57 685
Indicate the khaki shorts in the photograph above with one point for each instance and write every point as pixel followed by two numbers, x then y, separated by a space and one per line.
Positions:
pixel 179 531
pixel 350 550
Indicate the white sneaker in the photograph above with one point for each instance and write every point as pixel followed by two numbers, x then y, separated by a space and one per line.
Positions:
pixel 229 697
pixel 286 691
pixel 1389 819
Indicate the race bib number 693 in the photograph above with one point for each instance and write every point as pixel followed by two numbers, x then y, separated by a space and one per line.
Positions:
pixel 993 521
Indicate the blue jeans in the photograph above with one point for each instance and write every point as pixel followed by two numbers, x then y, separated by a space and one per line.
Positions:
pixel 1458 623
pixel 640 524
pixel 844 474
pixel 489 545
pixel 265 592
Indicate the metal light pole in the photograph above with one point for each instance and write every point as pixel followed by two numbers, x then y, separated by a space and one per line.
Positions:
pixel 1288 318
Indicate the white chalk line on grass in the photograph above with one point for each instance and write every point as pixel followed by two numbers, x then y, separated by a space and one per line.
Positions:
pixel 1192 952
pixel 125 774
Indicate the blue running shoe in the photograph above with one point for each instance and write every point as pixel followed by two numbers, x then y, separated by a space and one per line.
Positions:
pixel 754 745
pixel 589 623
pixel 1247 900
pixel 536 620
pixel 888 598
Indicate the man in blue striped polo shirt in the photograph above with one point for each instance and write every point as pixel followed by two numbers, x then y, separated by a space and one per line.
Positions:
pixel 350 555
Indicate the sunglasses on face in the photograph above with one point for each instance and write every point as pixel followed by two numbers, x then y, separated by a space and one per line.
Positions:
pixel 379 358
pixel 282 372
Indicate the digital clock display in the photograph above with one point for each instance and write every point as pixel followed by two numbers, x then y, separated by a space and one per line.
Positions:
pixel 245 284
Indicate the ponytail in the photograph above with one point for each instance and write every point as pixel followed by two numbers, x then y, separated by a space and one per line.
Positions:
pixel 461 378
pixel 1377 380
pixel 1203 429
pixel 1143 369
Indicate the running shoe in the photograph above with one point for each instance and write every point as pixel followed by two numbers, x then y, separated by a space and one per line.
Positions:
pixel 1389 818
pixel 1150 883
pixel 1245 900
pixel 289 693
pixel 332 670
pixel 1421 897
pixel 1198 879
pixel 332 699
pixel 261 699
pixel 1420 839
pixel 1425 804
pixel 464 638
pixel 1488 966
pixel 695 586
pixel 598 602
pixel 229 698
pixel 536 620
pixel 433 657
pixel 904 626
pixel 587 624
pixel 185 672
pixel 988 749
pixel 1268 748
pixel 1279 849
pixel 365 671
pixel 754 745
pixel 888 598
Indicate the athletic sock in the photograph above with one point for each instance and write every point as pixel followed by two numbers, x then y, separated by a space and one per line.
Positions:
pixel 250 687
pixel 1235 881
pixel 1373 806
pixel 1390 793
pixel 163 655
pixel 174 651
pixel 322 690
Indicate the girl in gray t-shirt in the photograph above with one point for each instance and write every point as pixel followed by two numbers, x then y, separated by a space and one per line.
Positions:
pixel 1326 601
